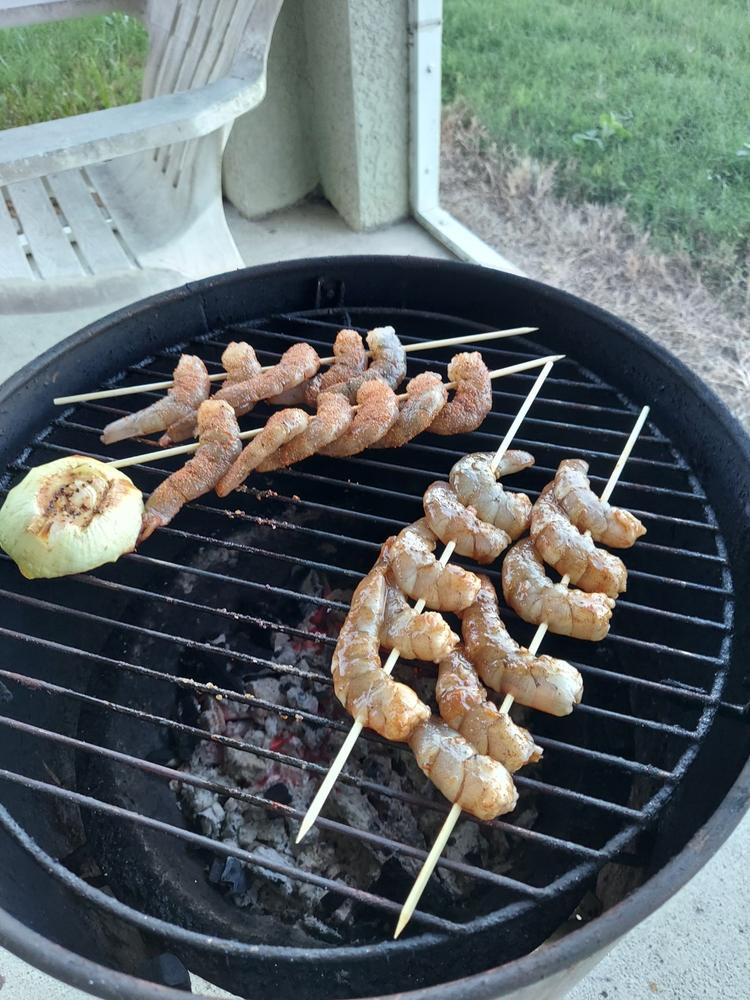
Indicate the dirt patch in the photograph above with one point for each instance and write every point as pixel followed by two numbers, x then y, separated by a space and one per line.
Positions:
pixel 595 252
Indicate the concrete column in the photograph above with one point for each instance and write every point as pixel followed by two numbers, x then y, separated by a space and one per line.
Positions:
pixel 336 113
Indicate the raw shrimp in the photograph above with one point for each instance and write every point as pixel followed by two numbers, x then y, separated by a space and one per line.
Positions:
pixel 476 486
pixel 427 395
pixel 479 784
pixel 451 521
pixel 177 411
pixel 239 362
pixel 361 685
pixel 609 525
pixel 218 446
pixel 541 682
pixel 563 547
pixel 351 359
pixel 333 417
pixel 535 598
pixel 387 363
pixel 463 704
pixel 279 428
pixel 416 571
pixel 377 411
pixel 426 636
pixel 296 364
pixel 473 399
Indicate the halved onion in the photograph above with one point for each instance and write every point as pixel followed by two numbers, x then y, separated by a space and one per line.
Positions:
pixel 70 516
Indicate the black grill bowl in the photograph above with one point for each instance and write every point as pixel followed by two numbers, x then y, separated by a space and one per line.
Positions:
pixel 653 758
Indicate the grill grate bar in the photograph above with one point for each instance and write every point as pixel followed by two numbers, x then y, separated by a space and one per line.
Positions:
pixel 280 809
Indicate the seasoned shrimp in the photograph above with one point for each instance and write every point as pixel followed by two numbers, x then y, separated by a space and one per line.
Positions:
pixel 177 411
pixel 418 573
pixel 479 784
pixel 451 521
pixel 426 636
pixel 609 525
pixel 463 704
pixel 535 598
pixel 218 446
pixel 427 395
pixel 296 364
pixel 473 399
pixel 563 547
pixel 476 486
pixel 239 362
pixel 361 685
pixel 541 682
pixel 333 418
pixel 377 412
pixel 351 359
pixel 387 363
pixel 279 428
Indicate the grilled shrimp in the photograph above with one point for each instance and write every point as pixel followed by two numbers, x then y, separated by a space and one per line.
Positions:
pixel 218 446
pixel 609 525
pixel 377 411
pixel 563 547
pixel 463 704
pixel 426 636
pixel 473 399
pixel 333 417
pixel 239 361
pixel 479 784
pixel 176 412
pixel 387 363
pixel 451 521
pixel 476 486
pixel 535 598
pixel 427 395
pixel 279 428
pixel 351 359
pixel 417 572
pixel 296 364
pixel 361 685
pixel 541 682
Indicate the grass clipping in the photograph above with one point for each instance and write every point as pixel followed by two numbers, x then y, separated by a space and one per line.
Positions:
pixel 593 251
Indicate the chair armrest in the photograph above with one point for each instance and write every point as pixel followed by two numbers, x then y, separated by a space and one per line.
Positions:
pixel 35 150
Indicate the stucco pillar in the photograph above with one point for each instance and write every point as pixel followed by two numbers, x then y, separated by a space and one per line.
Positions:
pixel 336 114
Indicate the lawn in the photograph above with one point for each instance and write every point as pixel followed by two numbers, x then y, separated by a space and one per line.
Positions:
pixel 642 102
pixel 69 67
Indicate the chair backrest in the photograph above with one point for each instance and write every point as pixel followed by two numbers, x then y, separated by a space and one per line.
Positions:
pixel 194 43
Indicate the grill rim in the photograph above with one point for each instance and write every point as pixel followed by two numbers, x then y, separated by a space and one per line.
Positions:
pixel 207 296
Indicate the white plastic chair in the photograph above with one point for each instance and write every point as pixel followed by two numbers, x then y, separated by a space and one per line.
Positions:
pixel 124 202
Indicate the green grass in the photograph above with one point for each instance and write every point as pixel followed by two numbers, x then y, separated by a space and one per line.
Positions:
pixel 640 102
pixel 69 67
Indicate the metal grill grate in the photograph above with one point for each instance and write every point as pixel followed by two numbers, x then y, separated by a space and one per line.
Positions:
pixel 652 688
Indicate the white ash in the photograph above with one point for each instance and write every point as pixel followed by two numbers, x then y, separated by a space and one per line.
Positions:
pixel 325 852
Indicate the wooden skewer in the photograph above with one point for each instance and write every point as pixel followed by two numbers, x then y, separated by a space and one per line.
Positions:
pixel 187 449
pixel 131 390
pixel 452 818
pixel 346 748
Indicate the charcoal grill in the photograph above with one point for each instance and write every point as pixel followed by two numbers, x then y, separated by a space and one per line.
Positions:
pixel 104 881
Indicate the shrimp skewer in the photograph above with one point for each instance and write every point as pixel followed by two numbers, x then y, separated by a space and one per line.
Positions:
pixel 278 429
pixel 219 445
pixel 463 704
pixel 609 525
pixel 332 419
pixel 346 748
pixel 426 396
pixel 365 690
pixel 450 520
pixel 298 363
pixel 562 546
pixel 473 399
pixel 377 412
pixel 350 358
pixel 176 412
pixel 475 484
